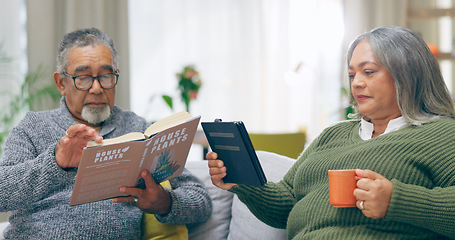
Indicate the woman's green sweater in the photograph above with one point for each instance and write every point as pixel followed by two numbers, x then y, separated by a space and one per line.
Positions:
pixel 419 160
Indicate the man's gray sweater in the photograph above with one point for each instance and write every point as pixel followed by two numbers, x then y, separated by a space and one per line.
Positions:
pixel 37 191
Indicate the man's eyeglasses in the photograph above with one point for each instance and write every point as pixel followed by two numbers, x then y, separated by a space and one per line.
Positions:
pixel 85 82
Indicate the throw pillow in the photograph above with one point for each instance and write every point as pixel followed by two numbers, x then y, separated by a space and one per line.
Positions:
pixel 217 227
pixel 154 230
pixel 274 167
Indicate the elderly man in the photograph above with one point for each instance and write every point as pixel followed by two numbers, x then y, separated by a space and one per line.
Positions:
pixel 41 156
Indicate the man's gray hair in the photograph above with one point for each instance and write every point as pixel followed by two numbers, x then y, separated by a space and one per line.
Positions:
pixel 83 38
pixel 422 94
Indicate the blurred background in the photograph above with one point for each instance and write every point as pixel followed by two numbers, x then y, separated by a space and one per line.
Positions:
pixel 277 65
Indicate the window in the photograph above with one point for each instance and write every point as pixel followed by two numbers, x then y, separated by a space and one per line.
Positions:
pixel 13 52
pixel 276 65
pixel 434 21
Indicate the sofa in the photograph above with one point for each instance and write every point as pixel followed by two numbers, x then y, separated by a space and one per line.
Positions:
pixel 231 219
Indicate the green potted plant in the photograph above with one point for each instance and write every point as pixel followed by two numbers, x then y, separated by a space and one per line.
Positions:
pixel 30 96
pixel 189 84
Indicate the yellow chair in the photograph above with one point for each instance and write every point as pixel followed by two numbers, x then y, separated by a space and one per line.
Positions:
pixel 287 144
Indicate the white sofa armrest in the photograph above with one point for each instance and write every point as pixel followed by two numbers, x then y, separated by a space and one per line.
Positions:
pixel 217 227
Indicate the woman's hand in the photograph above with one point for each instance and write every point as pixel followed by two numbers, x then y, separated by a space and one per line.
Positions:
pixel 217 171
pixel 375 191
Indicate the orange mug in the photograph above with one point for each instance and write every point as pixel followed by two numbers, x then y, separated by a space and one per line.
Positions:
pixel 341 187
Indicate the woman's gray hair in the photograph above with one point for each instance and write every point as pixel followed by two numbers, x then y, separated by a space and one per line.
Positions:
pixel 422 94
pixel 82 38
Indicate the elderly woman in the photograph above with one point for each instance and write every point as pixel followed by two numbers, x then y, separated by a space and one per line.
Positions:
pixel 401 145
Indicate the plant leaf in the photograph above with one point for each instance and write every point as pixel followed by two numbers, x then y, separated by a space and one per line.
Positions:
pixel 168 101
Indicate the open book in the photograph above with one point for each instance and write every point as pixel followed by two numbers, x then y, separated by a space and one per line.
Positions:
pixel 162 149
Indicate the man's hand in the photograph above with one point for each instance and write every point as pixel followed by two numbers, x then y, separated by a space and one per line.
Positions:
pixel 218 171
pixel 68 151
pixel 153 199
pixel 375 191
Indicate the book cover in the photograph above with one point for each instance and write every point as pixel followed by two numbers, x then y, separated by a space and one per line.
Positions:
pixel 231 142
pixel 104 168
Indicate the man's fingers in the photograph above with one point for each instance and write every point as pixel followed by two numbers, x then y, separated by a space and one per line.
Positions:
pixel 150 185
pixel 73 130
pixel 76 129
pixel 122 200
pixel 148 180
pixel 131 191
pixel 98 138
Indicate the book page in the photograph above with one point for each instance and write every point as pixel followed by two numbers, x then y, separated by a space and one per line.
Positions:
pixel 167 122
pixel 134 136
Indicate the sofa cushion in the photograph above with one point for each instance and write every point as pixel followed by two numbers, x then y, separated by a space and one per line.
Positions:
pixel 152 229
pixel 242 224
pixel 217 227
pixel 3 226
pixel 274 167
